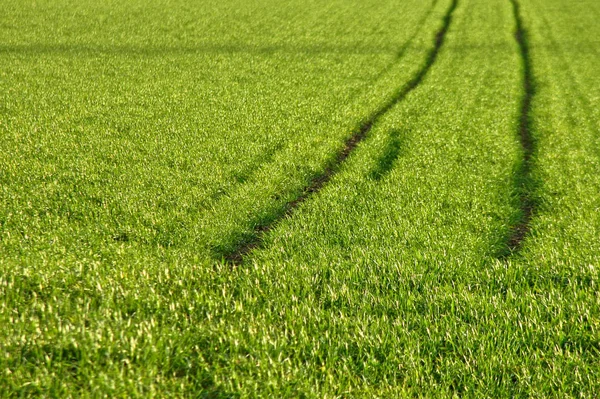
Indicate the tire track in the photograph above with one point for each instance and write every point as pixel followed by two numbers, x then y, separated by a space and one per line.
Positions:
pixel 241 177
pixel 523 181
pixel 236 256
pixel 405 46
pixel 399 54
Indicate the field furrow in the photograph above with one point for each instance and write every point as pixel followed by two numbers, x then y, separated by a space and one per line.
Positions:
pixel 523 183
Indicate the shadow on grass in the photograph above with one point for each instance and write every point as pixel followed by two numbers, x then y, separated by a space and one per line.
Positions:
pixel 392 151
pixel 207 48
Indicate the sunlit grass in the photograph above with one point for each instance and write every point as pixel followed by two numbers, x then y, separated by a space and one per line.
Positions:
pixel 140 141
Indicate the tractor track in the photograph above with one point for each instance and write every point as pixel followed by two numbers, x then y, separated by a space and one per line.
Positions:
pixel 236 257
pixel 523 182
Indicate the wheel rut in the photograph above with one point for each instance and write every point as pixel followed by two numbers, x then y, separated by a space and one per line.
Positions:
pixel 523 180
pixel 237 256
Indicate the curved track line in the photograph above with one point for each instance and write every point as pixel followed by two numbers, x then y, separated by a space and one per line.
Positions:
pixel 399 54
pixel 236 256
pixel 405 46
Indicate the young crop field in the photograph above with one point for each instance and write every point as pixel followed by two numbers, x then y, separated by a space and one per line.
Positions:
pixel 300 198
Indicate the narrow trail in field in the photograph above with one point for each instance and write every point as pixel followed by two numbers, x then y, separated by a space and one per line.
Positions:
pixel 236 257
pixel 523 181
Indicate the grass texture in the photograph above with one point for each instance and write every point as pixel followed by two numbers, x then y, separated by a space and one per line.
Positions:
pixel 143 142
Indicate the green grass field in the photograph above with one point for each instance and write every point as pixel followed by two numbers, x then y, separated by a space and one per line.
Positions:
pixel 300 199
